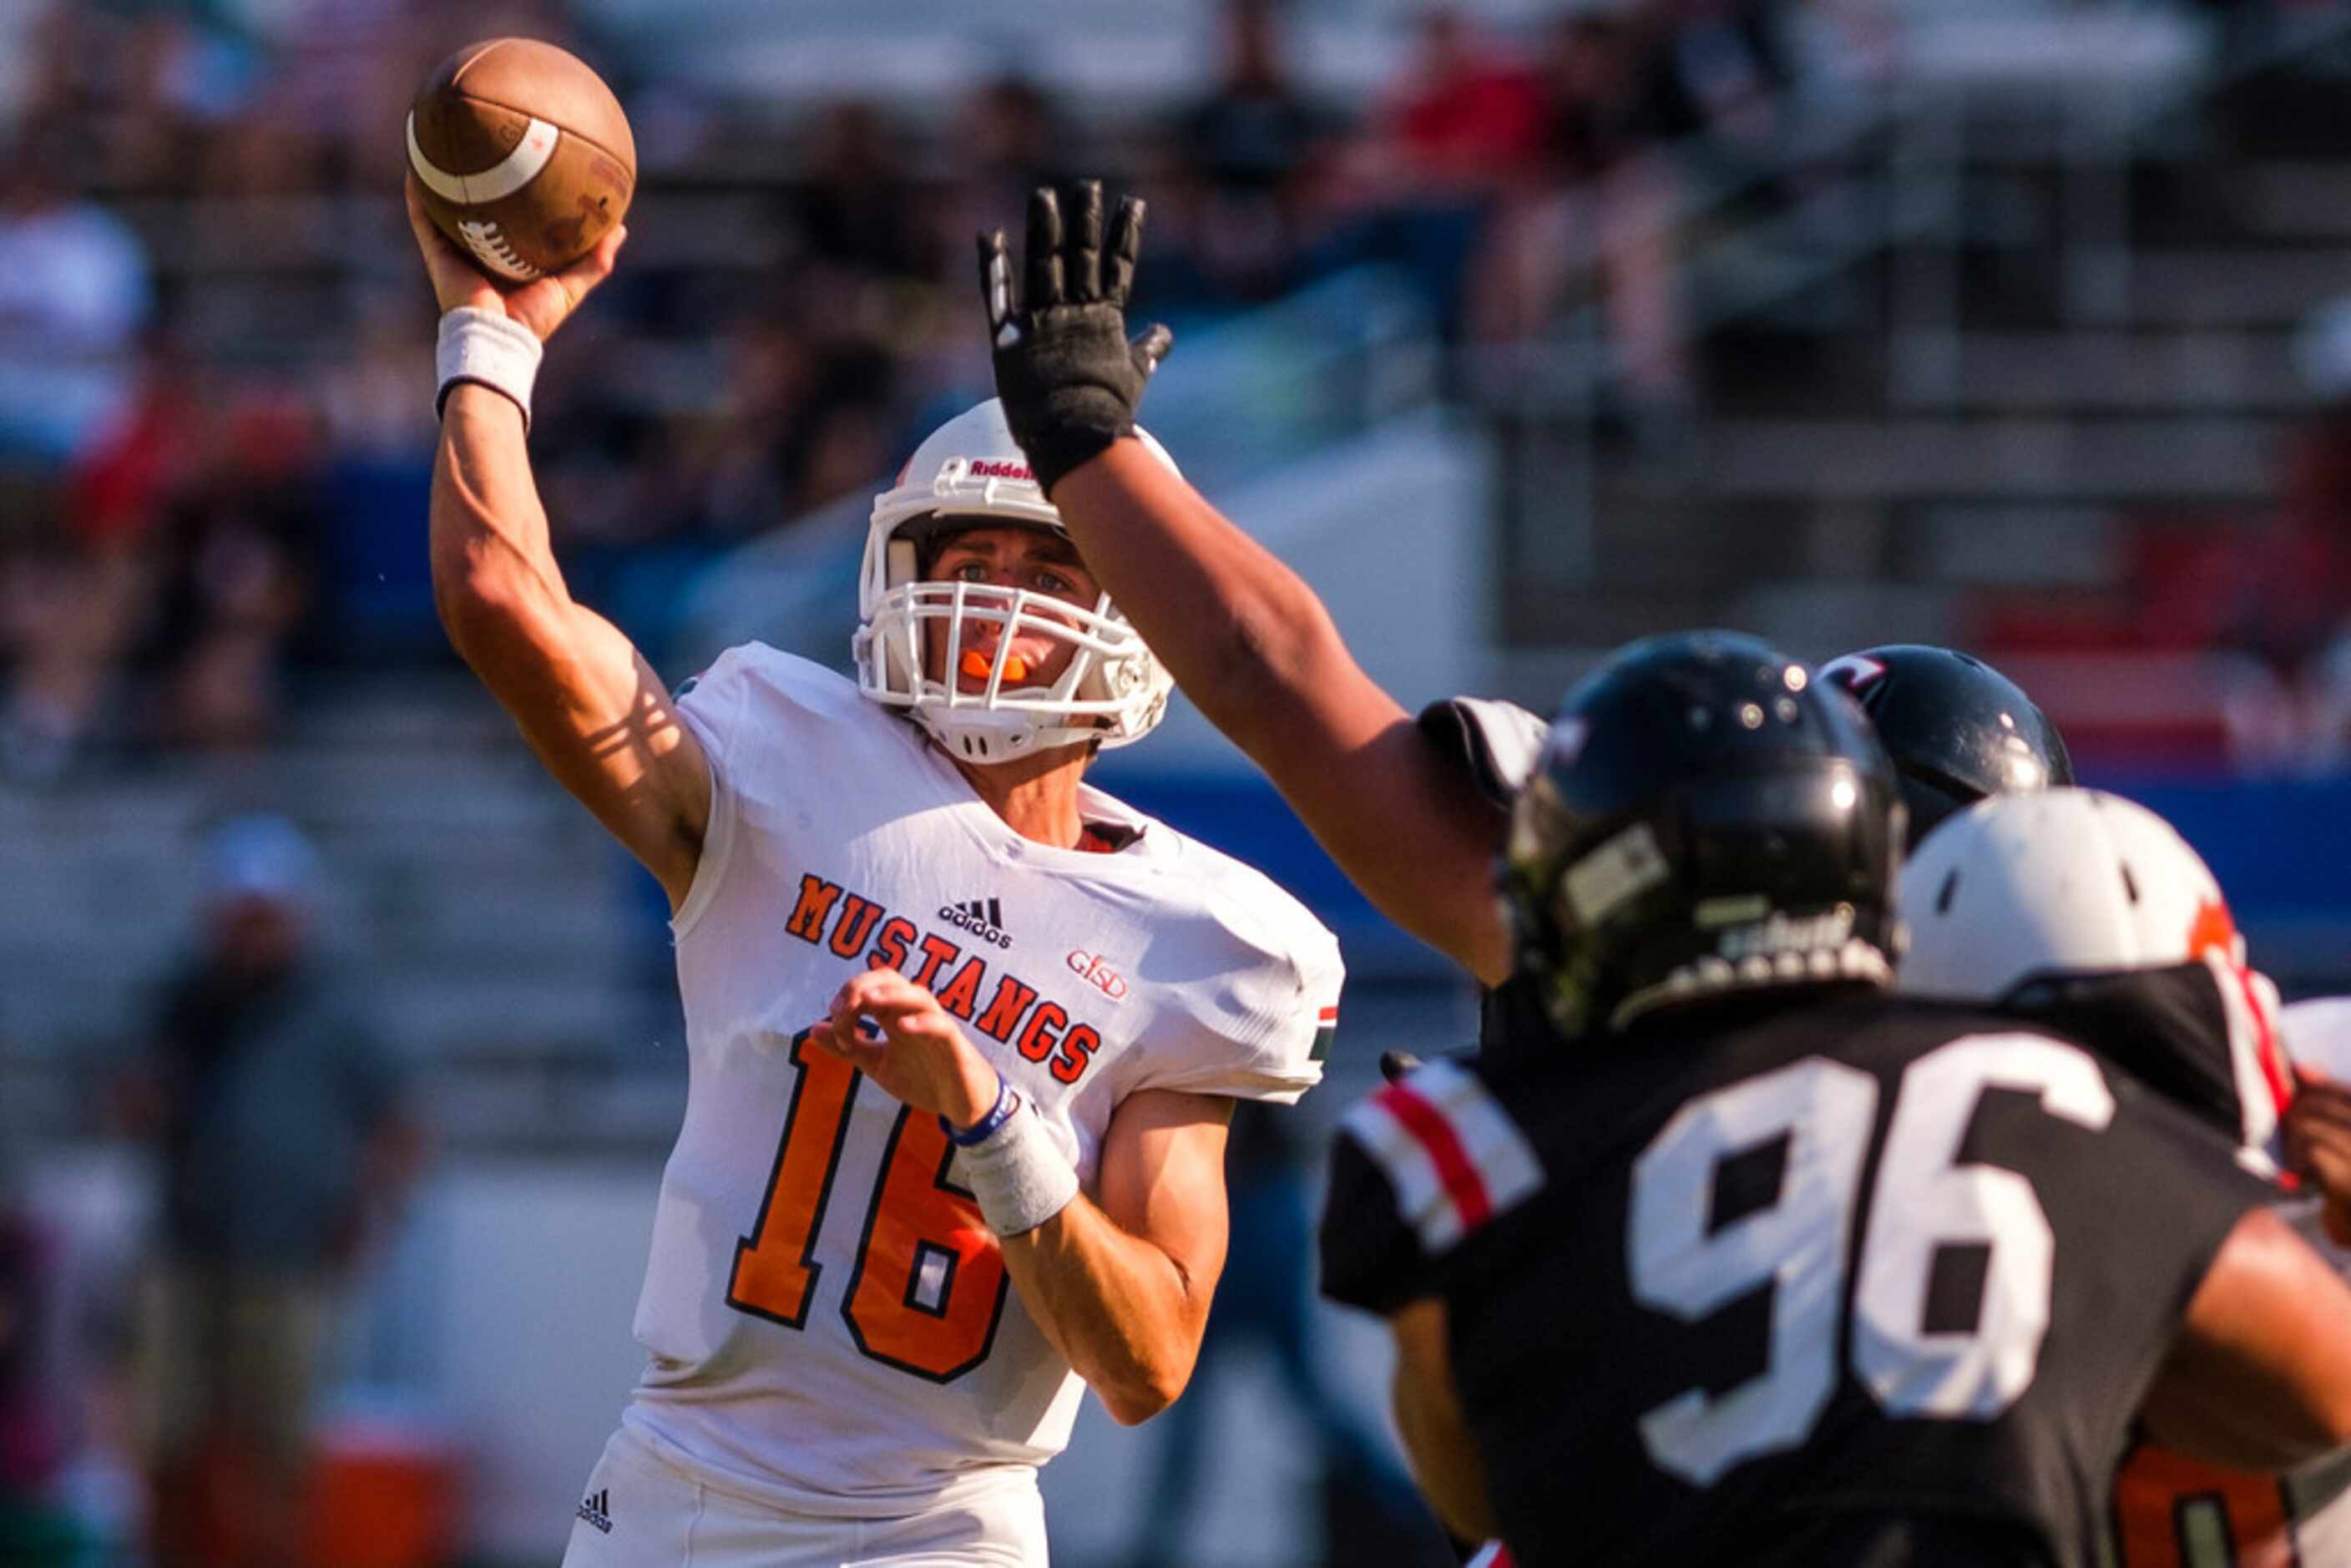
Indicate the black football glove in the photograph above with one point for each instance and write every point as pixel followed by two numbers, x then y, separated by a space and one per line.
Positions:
pixel 1067 377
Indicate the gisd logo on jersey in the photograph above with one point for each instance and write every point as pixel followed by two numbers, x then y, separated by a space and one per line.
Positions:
pixel 1098 974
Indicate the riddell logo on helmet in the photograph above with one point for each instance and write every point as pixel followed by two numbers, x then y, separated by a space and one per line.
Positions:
pixel 998 468
pixel 1779 934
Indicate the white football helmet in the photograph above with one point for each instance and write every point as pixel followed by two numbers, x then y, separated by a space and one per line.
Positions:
pixel 2055 880
pixel 2024 889
pixel 1114 690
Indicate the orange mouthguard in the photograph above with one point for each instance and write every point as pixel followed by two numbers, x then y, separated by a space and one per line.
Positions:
pixel 976 665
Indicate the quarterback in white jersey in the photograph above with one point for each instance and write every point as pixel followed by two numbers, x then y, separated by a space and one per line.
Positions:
pixel 964 1033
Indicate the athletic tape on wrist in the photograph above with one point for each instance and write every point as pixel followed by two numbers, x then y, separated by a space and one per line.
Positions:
pixel 490 348
pixel 1018 1174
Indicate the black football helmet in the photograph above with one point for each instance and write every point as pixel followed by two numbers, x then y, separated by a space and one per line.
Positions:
pixel 1706 816
pixel 1957 729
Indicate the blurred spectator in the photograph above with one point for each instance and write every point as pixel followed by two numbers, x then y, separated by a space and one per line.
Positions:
pixel 854 208
pixel 73 294
pixel 1266 1300
pixel 1716 80
pixel 1007 140
pixel 68 610
pixel 81 578
pixel 38 1530
pixel 1601 199
pixel 1419 189
pixel 2283 585
pixel 179 542
pixel 236 577
pixel 1468 117
pixel 284 1142
pixel 1248 156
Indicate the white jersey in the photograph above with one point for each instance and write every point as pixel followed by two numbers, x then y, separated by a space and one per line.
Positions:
pixel 2318 1034
pixel 2172 1512
pixel 830 1324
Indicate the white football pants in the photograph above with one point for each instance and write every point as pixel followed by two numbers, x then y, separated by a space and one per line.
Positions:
pixel 642 1511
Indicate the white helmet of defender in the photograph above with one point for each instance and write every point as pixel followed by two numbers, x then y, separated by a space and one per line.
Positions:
pixel 971 470
pixel 2056 882
pixel 2068 882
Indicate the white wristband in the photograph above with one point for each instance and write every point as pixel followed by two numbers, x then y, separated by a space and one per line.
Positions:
pixel 1018 1173
pixel 488 347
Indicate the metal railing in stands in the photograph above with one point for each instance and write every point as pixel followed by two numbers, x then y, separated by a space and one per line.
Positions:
pixel 1900 145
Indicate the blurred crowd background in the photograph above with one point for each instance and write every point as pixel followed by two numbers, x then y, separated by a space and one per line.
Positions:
pixel 1523 326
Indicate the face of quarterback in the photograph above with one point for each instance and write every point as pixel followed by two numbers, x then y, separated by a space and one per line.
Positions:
pixel 1043 563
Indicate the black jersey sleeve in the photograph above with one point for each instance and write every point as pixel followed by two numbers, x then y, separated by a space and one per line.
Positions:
pixel 2136 1224
pixel 1372 1258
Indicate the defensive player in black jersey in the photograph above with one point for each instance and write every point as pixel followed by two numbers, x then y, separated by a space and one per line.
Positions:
pixel 1256 651
pixel 1763 1266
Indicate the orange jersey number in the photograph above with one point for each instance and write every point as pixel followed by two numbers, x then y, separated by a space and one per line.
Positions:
pixel 929 1285
pixel 2171 1512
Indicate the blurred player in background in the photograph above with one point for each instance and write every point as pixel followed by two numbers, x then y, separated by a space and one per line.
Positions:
pixel 285 1137
pixel 1799 1273
pixel 37 1529
pixel 2270 1078
pixel 2088 914
pixel 964 1033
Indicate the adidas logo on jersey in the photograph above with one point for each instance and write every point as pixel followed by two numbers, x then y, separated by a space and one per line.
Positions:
pixel 1015 1013
pixel 983 917
pixel 596 1507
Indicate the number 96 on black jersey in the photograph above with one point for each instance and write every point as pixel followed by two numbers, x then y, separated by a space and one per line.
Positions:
pixel 1876 1282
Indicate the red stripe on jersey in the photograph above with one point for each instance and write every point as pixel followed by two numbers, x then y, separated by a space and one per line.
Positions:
pixel 1435 1134
pixel 2265 1044
pixel 1328 1015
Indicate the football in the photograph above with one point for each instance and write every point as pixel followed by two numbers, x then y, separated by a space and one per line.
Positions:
pixel 524 155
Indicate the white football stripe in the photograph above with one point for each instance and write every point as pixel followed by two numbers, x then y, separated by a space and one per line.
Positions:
pixel 502 179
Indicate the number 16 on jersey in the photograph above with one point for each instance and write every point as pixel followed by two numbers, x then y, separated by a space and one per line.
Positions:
pixel 929 1286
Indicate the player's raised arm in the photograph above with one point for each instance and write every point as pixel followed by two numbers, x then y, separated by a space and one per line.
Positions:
pixel 1248 641
pixel 587 701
